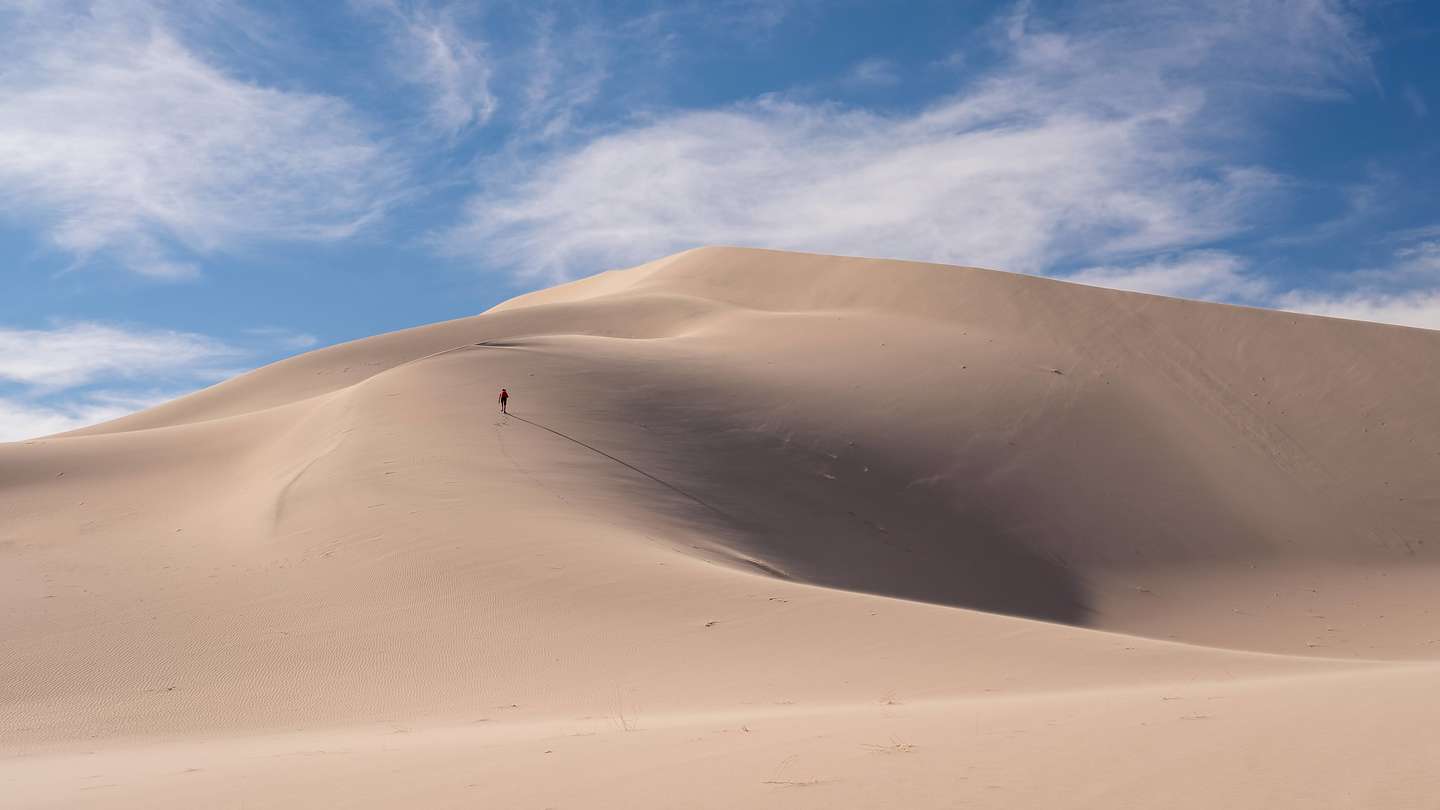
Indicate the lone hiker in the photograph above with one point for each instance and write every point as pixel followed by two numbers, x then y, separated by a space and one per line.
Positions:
pixel 504 398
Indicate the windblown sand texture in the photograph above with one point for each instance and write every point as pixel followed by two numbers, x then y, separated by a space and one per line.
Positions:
pixel 762 530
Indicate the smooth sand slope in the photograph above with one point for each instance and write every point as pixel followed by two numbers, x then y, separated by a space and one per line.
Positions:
pixel 763 529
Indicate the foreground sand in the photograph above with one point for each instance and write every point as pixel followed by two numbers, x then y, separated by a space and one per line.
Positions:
pixel 763 529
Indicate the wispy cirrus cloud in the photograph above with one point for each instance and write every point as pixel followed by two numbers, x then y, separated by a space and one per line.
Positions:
pixel 1418 308
pixel 873 72
pixel 564 72
pixel 1212 275
pixel 432 50
pixel 1087 146
pixel 26 419
pixel 75 374
pixel 1406 291
pixel 1416 101
pixel 117 140
pixel 76 354
pixel 955 184
pixel 71 374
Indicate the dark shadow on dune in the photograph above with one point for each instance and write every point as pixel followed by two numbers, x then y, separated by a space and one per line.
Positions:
pixel 864 526
pixel 853 525
pixel 592 448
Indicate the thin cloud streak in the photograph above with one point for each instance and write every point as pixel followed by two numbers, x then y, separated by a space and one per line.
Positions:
pixel 1084 147
pixel 873 72
pixel 21 419
pixel 1211 275
pixel 1419 308
pixel 432 51
pixel 118 141
pixel 76 374
pixel 564 72
pixel 1405 292
pixel 78 354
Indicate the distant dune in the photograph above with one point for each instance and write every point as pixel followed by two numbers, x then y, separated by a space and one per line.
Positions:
pixel 761 529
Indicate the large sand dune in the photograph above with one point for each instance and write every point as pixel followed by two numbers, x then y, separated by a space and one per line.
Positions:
pixel 762 529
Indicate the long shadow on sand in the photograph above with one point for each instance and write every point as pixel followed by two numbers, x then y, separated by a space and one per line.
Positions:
pixel 818 518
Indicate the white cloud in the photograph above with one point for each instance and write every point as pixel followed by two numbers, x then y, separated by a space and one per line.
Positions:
pixel 24 419
pixel 1404 292
pixel 1419 308
pixel 873 72
pixel 1211 275
pixel 432 51
pixel 79 354
pixel 955 184
pixel 1089 146
pixel 78 374
pixel 1421 260
pixel 117 139
pixel 75 374
pixel 564 71
pixel 1422 232
pixel 1417 103
pixel 1414 264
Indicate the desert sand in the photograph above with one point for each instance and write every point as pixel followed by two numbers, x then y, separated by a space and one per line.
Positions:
pixel 762 529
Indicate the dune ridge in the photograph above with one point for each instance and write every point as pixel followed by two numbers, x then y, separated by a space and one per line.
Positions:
pixel 799 519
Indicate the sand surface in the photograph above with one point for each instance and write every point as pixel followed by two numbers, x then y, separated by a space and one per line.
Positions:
pixel 761 530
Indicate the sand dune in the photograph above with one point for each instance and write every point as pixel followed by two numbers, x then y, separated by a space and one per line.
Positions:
pixel 762 529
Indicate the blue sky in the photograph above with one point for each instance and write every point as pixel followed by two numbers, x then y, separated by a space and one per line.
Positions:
pixel 193 188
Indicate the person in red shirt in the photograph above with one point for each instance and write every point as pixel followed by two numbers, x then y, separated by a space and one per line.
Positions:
pixel 504 398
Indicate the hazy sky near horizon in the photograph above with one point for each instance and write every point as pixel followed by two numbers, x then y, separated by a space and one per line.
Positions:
pixel 191 188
